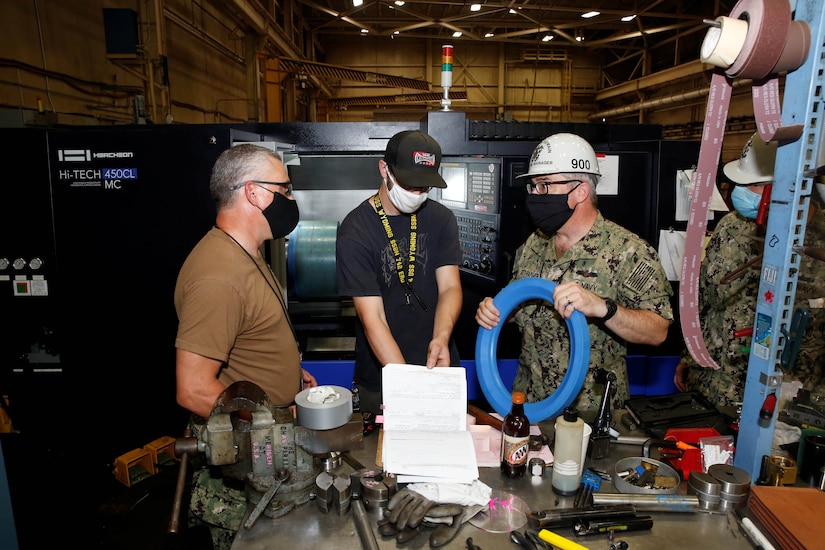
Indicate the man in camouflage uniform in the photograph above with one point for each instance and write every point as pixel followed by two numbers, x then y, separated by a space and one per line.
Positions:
pixel 730 307
pixel 602 270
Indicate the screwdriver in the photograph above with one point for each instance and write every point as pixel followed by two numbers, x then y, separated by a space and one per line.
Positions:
pixel 559 541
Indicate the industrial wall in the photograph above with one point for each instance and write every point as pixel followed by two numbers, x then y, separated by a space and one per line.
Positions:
pixel 183 60
pixel 201 62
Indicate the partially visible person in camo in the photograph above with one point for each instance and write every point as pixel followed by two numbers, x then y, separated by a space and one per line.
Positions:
pixel 728 307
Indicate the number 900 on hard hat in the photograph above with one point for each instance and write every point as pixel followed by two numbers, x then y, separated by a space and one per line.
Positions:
pixel 561 154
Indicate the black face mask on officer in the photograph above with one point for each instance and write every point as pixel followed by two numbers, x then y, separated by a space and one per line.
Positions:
pixel 549 212
pixel 282 215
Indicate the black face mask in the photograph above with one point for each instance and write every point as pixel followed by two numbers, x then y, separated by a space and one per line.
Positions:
pixel 282 215
pixel 549 212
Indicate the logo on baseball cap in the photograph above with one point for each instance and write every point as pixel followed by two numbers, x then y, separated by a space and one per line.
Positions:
pixel 414 158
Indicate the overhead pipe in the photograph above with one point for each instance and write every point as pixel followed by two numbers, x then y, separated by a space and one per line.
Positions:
pixel 660 101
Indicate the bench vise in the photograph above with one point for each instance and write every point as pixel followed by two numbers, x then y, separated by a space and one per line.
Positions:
pixel 262 445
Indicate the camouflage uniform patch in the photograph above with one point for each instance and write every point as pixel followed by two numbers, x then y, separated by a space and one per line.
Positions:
pixel 731 307
pixel 609 261
pixel 213 503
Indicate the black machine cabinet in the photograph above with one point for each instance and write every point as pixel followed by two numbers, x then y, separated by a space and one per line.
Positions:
pixel 88 365
pixel 112 213
pixel 29 345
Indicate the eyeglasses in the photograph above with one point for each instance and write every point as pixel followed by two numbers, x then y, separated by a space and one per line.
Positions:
pixel 543 187
pixel 283 184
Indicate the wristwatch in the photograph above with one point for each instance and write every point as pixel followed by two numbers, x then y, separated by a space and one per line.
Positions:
pixel 612 308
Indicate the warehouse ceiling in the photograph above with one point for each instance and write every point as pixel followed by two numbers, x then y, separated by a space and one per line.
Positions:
pixel 634 38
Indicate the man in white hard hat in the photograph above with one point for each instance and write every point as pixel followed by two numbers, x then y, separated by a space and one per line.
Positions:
pixel 727 303
pixel 602 270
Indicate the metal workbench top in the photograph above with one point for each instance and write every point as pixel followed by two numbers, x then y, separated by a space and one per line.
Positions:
pixel 306 527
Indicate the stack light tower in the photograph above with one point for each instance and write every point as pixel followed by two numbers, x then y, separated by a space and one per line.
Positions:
pixel 446 74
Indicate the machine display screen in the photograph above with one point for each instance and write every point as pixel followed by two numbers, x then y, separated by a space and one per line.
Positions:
pixel 455 194
pixel 472 184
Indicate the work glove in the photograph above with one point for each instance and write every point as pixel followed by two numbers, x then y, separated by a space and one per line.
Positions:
pixel 408 511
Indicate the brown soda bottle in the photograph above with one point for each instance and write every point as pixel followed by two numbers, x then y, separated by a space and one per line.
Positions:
pixel 515 439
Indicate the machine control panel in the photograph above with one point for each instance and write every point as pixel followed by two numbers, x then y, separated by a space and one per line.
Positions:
pixel 478 235
pixel 473 193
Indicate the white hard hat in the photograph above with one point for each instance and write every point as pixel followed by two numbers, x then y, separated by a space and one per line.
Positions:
pixel 561 154
pixel 756 163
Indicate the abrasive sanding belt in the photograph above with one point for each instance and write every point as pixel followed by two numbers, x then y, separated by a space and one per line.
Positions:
pixel 758 41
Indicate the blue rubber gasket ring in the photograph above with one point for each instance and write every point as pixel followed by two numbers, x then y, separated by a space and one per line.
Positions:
pixel 489 377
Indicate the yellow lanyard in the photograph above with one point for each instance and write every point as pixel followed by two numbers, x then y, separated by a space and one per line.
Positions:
pixel 405 279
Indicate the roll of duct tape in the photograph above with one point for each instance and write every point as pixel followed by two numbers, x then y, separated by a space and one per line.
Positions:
pixel 723 43
pixel 324 407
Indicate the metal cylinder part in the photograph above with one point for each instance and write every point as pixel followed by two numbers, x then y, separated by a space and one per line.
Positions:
pixel 377 489
pixel 362 525
pixel 630 440
pixel 330 461
pixel 652 503
pixel 734 481
pixel 707 488
pixel 735 485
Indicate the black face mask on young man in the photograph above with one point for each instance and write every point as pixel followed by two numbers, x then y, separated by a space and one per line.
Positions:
pixel 549 212
pixel 282 215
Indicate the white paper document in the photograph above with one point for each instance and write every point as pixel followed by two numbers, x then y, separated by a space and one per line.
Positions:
pixel 425 437
pixel 671 252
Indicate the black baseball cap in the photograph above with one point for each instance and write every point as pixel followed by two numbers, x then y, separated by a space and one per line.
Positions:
pixel 414 158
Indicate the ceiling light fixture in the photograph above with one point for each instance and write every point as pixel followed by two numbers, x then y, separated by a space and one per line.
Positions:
pixel 356 3
pixel 547 38
pixel 590 14
pixel 512 11
pixel 628 18
pixel 475 7
pixel 489 35
pixel 364 31
pixel 456 34
pixel 399 3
